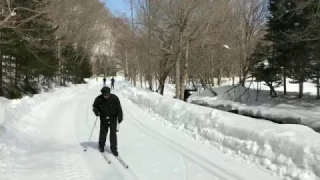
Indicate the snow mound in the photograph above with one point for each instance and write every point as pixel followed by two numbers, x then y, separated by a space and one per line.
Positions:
pixel 245 102
pixel 292 151
pixel 20 117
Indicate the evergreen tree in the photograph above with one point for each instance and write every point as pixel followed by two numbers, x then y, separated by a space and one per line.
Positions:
pixel 312 38
pixel 280 24
pixel 29 54
pixel 263 68
pixel 290 54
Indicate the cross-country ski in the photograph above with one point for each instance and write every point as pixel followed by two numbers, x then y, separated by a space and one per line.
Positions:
pixel 122 162
pixel 106 157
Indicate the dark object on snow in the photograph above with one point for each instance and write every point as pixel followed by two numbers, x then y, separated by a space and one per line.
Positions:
pixel 187 93
pixel 108 107
pixel 104 81
pixel 112 83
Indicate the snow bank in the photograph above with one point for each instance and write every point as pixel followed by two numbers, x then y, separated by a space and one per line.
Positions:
pixel 288 150
pixel 20 119
pixel 265 108
pixel 14 110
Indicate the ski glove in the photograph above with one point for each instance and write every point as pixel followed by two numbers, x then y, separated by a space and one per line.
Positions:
pixel 96 112
pixel 119 121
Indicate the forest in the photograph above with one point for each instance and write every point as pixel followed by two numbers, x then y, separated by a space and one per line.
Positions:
pixel 176 41
pixel 49 43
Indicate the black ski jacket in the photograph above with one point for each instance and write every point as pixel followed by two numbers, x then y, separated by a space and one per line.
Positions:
pixel 110 107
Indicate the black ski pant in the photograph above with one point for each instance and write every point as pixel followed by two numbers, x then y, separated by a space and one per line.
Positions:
pixel 112 85
pixel 105 125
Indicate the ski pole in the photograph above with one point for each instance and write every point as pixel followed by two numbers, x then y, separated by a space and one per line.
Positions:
pixel 91 132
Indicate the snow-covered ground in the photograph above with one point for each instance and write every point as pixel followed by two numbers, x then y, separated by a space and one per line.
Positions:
pixel 43 138
pixel 288 109
pixel 287 150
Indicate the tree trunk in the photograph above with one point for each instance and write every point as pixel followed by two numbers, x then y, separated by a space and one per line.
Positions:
pixel 149 76
pixel 284 81
pixel 241 65
pixel 135 78
pixel 156 85
pixel 162 87
pixel 135 71
pixel 257 97
pixel 141 82
pixel 270 86
pixel 318 85
pixel 212 80
pixel 177 81
pixel 203 84
pixel 301 81
pixel 273 93
pixel 150 82
pixel 220 66
pixel 219 79
pixel 184 75
pixel 145 84
pixel 126 71
pixel 177 68
pixel 58 83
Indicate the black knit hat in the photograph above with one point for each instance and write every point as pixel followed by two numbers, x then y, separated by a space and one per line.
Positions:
pixel 105 91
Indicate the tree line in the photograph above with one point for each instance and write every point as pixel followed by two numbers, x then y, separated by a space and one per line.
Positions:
pixel 48 42
pixel 290 46
pixel 204 41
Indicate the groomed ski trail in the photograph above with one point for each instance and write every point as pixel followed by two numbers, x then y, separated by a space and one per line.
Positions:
pixel 81 118
pixel 168 154
pixel 54 150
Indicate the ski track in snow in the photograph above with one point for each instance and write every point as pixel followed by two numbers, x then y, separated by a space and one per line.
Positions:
pixel 189 157
pixel 51 148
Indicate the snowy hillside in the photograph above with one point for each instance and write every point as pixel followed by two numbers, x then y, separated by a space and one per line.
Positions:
pixel 250 102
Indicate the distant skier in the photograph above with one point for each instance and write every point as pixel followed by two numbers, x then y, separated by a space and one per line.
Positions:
pixel 108 107
pixel 112 83
pixel 104 81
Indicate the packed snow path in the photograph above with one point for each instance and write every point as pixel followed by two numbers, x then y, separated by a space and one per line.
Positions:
pixel 53 149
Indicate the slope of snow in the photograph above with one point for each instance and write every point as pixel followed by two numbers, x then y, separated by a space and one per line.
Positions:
pixel 258 104
pixel 287 150
pixel 9 108
pixel 43 138
pixel 19 118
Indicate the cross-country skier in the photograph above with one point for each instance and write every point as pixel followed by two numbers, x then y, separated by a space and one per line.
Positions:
pixel 112 83
pixel 104 81
pixel 108 107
